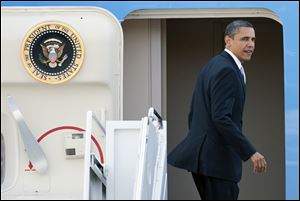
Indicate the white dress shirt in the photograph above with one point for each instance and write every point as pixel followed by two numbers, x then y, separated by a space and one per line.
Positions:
pixel 238 63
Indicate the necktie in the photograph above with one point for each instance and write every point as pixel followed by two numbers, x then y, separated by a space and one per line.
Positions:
pixel 243 73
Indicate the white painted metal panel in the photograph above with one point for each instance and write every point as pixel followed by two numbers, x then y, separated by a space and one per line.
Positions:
pixel 96 87
pixel 122 144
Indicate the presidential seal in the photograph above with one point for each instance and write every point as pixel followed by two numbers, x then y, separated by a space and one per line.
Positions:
pixel 52 52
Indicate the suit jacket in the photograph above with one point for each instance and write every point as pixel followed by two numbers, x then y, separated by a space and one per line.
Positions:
pixel 215 145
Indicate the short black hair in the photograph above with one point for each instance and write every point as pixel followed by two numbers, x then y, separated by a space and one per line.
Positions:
pixel 232 28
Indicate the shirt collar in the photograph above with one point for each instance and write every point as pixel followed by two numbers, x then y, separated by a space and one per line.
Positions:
pixel 236 60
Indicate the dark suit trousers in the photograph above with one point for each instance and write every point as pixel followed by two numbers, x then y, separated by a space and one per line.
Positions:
pixel 211 188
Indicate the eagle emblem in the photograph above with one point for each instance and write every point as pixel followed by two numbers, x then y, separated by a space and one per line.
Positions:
pixel 53 50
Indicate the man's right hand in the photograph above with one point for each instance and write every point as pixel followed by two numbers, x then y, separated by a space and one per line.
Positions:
pixel 259 163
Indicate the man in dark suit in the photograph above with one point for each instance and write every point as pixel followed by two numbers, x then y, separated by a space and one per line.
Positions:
pixel 215 145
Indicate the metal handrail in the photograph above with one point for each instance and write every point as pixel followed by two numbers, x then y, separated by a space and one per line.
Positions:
pixel 153 114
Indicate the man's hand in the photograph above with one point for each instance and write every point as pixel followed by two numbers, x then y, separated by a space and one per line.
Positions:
pixel 259 163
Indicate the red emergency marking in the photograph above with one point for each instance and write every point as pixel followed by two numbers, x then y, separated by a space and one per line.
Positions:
pixel 30 166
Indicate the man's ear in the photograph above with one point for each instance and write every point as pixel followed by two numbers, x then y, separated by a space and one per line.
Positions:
pixel 227 41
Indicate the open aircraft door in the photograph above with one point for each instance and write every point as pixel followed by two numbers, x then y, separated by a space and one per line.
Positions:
pixel 59 64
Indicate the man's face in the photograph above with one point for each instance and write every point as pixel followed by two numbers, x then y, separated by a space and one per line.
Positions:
pixel 242 43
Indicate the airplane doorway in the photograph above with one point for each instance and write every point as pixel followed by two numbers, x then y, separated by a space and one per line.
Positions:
pixel 190 44
pixel 170 53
